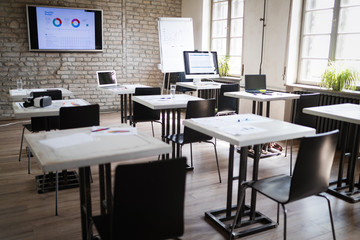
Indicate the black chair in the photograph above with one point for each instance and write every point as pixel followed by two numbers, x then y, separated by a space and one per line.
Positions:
pixel 196 109
pixel 41 123
pixel 300 118
pixel 227 105
pixel 311 176
pixel 183 79
pixel 148 202
pixel 142 113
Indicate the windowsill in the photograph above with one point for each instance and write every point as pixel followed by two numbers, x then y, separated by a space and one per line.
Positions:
pixel 228 79
pixel 295 86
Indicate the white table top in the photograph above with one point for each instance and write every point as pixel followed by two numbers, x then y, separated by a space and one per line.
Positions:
pixel 52 110
pixel 79 147
pixel 274 96
pixel 248 129
pixel 158 102
pixel 346 112
pixel 18 95
pixel 200 86
pixel 122 89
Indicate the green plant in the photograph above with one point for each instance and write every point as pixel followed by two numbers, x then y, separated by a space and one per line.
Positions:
pixel 339 78
pixel 224 66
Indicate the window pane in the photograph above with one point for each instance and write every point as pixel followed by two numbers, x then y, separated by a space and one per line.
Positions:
pixel 311 70
pixel 349 3
pixel 349 19
pixel 219 45
pixel 348 46
pixel 318 22
pixel 235 46
pixel 319 4
pixel 235 65
pixel 219 28
pixel 220 10
pixel 237 9
pixel 315 46
pixel 236 28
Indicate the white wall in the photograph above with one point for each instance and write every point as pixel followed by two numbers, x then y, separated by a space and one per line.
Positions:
pixel 193 9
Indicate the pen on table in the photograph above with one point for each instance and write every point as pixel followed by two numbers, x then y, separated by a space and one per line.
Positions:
pixel 166 98
pixel 100 129
pixel 118 131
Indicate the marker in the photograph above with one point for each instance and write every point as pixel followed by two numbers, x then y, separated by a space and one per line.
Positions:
pixel 118 131
pixel 99 130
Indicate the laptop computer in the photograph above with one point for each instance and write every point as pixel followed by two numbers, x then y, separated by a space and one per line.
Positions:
pixel 107 79
pixel 255 83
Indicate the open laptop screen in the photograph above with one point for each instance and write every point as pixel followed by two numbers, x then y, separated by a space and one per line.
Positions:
pixel 106 78
pixel 255 83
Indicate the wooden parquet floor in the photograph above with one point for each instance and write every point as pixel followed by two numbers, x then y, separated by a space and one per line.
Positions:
pixel 25 214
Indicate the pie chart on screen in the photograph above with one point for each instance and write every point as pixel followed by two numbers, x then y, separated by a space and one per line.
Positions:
pixel 75 23
pixel 57 22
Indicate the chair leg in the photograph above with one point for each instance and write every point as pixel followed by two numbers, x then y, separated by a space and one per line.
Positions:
pixel 285 220
pixel 216 158
pixel 330 214
pixel 29 156
pixel 191 155
pixel 278 213
pixel 56 192
pixel 286 145
pixel 21 143
pixel 152 128
pixel 291 150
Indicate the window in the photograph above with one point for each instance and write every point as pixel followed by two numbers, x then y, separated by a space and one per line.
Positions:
pixel 227 30
pixel 330 32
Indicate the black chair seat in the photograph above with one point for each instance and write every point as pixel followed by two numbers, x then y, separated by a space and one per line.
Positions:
pixel 277 188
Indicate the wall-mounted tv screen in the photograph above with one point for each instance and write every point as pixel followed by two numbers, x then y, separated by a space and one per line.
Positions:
pixel 201 64
pixel 64 29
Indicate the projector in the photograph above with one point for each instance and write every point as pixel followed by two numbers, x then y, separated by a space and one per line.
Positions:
pixel 42 101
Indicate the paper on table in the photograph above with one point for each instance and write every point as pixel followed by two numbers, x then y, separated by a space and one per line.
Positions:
pixel 97 131
pixel 241 130
pixel 67 141
pixel 231 120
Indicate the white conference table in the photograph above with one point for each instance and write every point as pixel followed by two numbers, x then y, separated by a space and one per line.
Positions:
pixel 347 113
pixel 81 148
pixel 18 95
pixel 245 130
pixel 166 103
pixel 125 91
pixel 262 97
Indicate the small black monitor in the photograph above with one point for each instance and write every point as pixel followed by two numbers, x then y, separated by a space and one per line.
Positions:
pixel 255 82
pixel 201 64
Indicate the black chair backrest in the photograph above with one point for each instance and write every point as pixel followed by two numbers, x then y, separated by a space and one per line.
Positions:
pixel 54 94
pixel 149 200
pixel 228 103
pixel 313 165
pixel 183 79
pixel 142 113
pixel 306 100
pixel 198 109
pixel 79 116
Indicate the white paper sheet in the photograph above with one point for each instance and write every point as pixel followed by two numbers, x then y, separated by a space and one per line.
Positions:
pixel 67 141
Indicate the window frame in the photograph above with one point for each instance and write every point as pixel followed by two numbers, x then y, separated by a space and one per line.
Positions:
pixel 228 33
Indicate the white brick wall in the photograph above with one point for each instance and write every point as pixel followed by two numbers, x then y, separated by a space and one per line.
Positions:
pixel 130 42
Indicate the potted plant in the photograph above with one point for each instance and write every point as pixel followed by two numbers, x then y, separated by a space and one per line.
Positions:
pixel 224 66
pixel 338 78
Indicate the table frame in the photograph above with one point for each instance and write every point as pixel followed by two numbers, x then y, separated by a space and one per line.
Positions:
pixel 222 217
pixel 346 188
pixel 52 160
